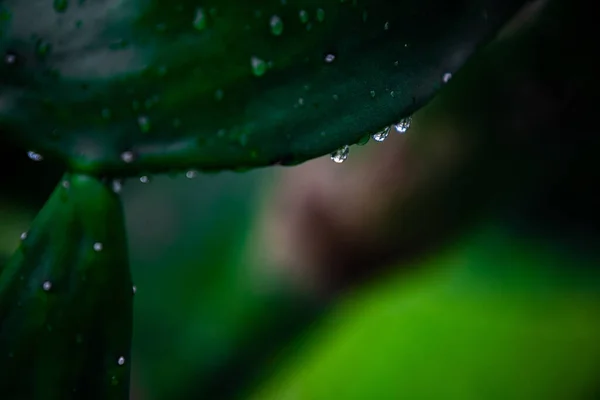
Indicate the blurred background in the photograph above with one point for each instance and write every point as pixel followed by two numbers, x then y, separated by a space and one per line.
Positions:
pixel 458 260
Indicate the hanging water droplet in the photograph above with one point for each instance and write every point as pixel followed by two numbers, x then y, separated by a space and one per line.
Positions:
pixel 276 25
pixel 144 123
pixel 117 185
pixel 381 135
pixel 23 235
pixel 61 5
pixel 447 76
pixel 199 19
pixel 403 125
pixel 127 156
pixel 34 156
pixel 66 184
pixel 320 15
pixel 144 179
pixel 259 67
pixel 121 360
pixel 393 94
pixel 191 174
pixel 303 16
pixel 341 154
pixel 372 94
pixel 300 101
pixel 386 26
pixel 336 97
pixel 329 58
pixel 133 289
pixel 47 286
pixel 10 58
pixel 98 246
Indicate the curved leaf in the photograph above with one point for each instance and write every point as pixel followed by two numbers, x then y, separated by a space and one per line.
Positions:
pixel 132 86
pixel 66 300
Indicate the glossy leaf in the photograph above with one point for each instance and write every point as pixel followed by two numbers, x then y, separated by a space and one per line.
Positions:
pixel 66 300
pixel 125 87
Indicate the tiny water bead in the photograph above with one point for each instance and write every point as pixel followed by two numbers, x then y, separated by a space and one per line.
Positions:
pixel 34 156
pixel 47 286
pixel 447 76
pixel 199 22
pixel 133 289
pixel 144 123
pixel 23 235
pixel 117 186
pixel 403 125
pixel 381 135
pixel 276 25
pixel 127 156
pixel 341 154
pixel 191 174
pixel 66 184
pixel 121 360
pixel 10 59
pixel 98 246
pixel 320 15
pixel 329 58
pixel 303 15
pixel 144 179
pixel 259 66
pixel 373 94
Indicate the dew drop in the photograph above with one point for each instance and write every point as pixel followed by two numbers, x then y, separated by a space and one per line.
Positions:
pixel 199 19
pixel 373 94
pixel 133 289
pixel 10 59
pixel 447 76
pixel 23 235
pixel 47 286
pixel 144 123
pixel 144 179
pixel 34 156
pixel 341 154
pixel 276 25
pixel 98 246
pixel 66 184
pixel 121 360
pixel 259 67
pixel 403 125
pixel 61 5
pixel 386 26
pixel 303 16
pixel 191 174
pixel 336 97
pixel 127 156
pixel 320 15
pixel 117 186
pixel 329 58
pixel 381 135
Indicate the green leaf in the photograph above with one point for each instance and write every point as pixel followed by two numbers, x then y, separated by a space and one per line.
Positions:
pixel 148 86
pixel 497 316
pixel 66 300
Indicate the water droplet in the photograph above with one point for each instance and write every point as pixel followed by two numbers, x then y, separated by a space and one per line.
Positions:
pixel 396 63
pixel 23 235
pixel 66 184
pixel 329 58
pixel 114 381
pixel 42 48
pixel 341 154
pixel 447 76
pixel 121 360
pixel 144 179
pixel 199 19
pixel 133 289
pixel 117 185
pixel 386 26
pixel 373 94
pixel 320 15
pixel 219 94
pixel 336 97
pixel 276 25
pixel 10 58
pixel 303 16
pixel 259 67
pixel 34 156
pixel 191 174
pixel 381 135
pixel 47 286
pixel 403 125
pixel 98 246
pixel 144 123
pixel 127 156
pixel 301 102
pixel 61 5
